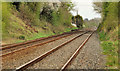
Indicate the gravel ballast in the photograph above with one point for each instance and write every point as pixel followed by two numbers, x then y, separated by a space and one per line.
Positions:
pixel 17 59
pixel 57 59
pixel 90 56
pixel 30 44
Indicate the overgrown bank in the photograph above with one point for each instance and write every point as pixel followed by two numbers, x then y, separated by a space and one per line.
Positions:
pixel 108 32
pixel 22 21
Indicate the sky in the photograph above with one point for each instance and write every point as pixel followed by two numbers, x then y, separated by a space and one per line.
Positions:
pixel 85 9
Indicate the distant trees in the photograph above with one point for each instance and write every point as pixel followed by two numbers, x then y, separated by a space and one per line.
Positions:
pixel 78 20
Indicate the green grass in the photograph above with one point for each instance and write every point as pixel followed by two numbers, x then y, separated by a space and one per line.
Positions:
pixel 110 48
pixel 19 41
pixel 103 36
pixel 39 35
pixel 69 29
pixel 42 34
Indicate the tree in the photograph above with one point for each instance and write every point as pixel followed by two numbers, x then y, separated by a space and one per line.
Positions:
pixel 79 21
pixel 73 19
pixel 98 6
pixel 70 6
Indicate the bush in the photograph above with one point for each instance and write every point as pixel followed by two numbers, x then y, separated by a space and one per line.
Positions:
pixel 46 14
pixel 22 37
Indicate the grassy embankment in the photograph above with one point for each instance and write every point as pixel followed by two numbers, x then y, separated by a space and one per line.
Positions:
pixel 108 32
pixel 27 21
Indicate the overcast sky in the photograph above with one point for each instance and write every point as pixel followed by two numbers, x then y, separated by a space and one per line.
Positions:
pixel 85 9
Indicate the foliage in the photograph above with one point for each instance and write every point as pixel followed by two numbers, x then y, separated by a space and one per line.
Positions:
pixel 98 6
pixel 110 11
pixel 70 6
pixel 6 9
pixel 79 21
pixel 61 17
pixel 110 49
pixel 22 37
pixel 55 18
pixel 108 32
pixel 46 13
pixel 29 12
pixel 6 12
pixel 103 36
pixel 22 21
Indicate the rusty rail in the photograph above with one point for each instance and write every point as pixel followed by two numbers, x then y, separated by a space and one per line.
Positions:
pixel 5 46
pixel 75 53
pixel 8 46
pixel 26 65
pixel 39 44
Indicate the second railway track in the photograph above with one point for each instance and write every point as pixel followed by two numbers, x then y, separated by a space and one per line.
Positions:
pixel 9 49
pixel 56 65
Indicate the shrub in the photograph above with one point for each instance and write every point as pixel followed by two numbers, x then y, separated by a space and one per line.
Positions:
pixel 22 37
pixel 46 13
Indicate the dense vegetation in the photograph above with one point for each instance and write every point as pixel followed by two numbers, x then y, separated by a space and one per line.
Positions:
pixel 108 31
pixel 22 21
pixel 78 20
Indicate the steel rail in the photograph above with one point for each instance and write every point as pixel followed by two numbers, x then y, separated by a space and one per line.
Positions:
pixel 7 46
pixel 39 58
pixel 75 53
pixel 57 38
pixel 34 45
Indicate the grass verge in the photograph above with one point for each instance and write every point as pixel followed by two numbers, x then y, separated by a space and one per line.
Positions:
pixel 110 48
pixel 42 34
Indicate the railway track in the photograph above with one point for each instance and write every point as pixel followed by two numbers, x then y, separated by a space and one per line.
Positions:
pixel 75 53
pixel 10 49
pixel 41 57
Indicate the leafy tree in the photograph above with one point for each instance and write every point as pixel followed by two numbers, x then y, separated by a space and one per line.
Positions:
pixel 79 21
pixel 46 13
pixel 70 6
pixel 73 19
